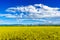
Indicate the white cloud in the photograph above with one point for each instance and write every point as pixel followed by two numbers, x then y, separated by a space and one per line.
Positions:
pixel 46 7
pixel 35 11
pixel 8 15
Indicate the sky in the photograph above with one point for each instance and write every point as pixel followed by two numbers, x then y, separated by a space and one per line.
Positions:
pixel 30 12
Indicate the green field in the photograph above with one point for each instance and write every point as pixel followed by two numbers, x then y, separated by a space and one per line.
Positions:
pixel 29 32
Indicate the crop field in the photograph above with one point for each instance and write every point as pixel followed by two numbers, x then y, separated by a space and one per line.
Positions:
pixel 29 33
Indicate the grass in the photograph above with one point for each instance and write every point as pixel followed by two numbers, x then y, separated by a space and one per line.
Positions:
pixel 29 33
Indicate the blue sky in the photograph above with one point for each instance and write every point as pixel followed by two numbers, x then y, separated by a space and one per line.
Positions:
pixel 29 12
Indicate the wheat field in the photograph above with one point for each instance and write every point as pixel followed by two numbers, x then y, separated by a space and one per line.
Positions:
pixel 29 33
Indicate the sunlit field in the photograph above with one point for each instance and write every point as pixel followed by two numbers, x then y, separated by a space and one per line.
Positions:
pixel 29 32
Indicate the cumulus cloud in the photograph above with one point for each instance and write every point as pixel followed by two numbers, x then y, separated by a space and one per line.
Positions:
pixel 35 11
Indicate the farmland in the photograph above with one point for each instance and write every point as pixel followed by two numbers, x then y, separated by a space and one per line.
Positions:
pixel 29 33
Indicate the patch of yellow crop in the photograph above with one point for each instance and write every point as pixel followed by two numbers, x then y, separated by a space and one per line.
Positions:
pixel 30 33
